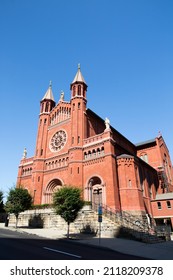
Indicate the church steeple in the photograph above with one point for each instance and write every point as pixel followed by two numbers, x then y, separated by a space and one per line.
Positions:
pixel 78 86
pixel 48 102
pixel 79 77
pixel 49 94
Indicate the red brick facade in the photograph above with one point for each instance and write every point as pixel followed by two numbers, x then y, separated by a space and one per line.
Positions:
pixel 156 153
pixel 76 147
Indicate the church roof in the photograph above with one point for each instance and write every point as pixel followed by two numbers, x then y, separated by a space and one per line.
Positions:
pixel 79 77
pixel 164 196
pixel 125 156
pixel 151 141
pixel 49 93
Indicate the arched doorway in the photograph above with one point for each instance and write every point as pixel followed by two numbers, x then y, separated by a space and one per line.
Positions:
pixel 52 186
pixel 95 192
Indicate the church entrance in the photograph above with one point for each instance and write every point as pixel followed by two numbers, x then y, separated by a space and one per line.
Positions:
pixel 95 192
pixel 53 186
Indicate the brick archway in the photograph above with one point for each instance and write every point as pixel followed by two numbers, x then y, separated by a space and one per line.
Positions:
pixel 52 186
pixel 94 191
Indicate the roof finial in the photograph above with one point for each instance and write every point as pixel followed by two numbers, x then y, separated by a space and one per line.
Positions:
pixel 62 96
pixel 78 66
pixel 50 84
pixel 24 154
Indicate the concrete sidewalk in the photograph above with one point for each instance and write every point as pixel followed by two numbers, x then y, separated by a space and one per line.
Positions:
pixel 156 251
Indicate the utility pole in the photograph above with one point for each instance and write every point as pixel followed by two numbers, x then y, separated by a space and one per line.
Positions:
pixel 98 191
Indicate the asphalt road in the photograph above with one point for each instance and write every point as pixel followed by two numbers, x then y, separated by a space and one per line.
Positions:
pixel 22 246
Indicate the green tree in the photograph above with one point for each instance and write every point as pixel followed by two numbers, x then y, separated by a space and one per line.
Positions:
pixel 67 203
pixel 18 200
pixel 1 202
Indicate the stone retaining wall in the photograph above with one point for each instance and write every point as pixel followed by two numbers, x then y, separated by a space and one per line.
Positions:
pixel 87 222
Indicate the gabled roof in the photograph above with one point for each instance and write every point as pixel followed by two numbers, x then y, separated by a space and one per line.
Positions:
pixel 79 77
pixel 49 93
pixel 147 142
pixel 121 137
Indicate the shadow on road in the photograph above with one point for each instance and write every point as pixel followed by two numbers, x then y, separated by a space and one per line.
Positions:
pixel 22 246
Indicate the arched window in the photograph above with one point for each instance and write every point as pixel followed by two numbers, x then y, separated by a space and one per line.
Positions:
pixel 102 151
pixel 79 90
pixel 94 153
pixel 47 107
pixel 98 151
pixel 89 154
pixel 42 107
pixel 74 90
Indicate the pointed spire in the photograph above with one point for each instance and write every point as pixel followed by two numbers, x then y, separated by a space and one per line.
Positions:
pixel 49 93
pixel 79 77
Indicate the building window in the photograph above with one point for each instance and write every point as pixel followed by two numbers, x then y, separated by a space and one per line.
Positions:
pixel 168 204
pixel 79 90
pixel 79 105
pixel 42 107
pixel 47 107
pixel 41 153
pixel 78 139
pixel 144 157
pixel 159 205
pixel 74 91
pixel 72 140
pixel 78 170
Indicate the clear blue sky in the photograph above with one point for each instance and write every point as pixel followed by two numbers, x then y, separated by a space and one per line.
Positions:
pixel 125 48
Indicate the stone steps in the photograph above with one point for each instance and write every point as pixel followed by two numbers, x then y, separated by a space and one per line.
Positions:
pixel 87 222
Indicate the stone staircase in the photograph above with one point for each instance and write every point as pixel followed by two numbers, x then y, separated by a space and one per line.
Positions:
pixel 135 227
pixel 87 222
pixel 112 225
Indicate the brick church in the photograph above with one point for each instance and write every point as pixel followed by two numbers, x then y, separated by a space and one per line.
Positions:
pixel 75 146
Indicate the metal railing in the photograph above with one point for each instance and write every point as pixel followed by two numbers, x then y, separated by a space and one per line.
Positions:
pixel 137 225
pixel 124 218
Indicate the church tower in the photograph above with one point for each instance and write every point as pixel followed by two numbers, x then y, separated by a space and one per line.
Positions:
pixel 46 105
pixel 78 125
pixel 78 106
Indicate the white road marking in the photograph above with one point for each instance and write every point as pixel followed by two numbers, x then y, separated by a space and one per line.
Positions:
pixel 62 252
